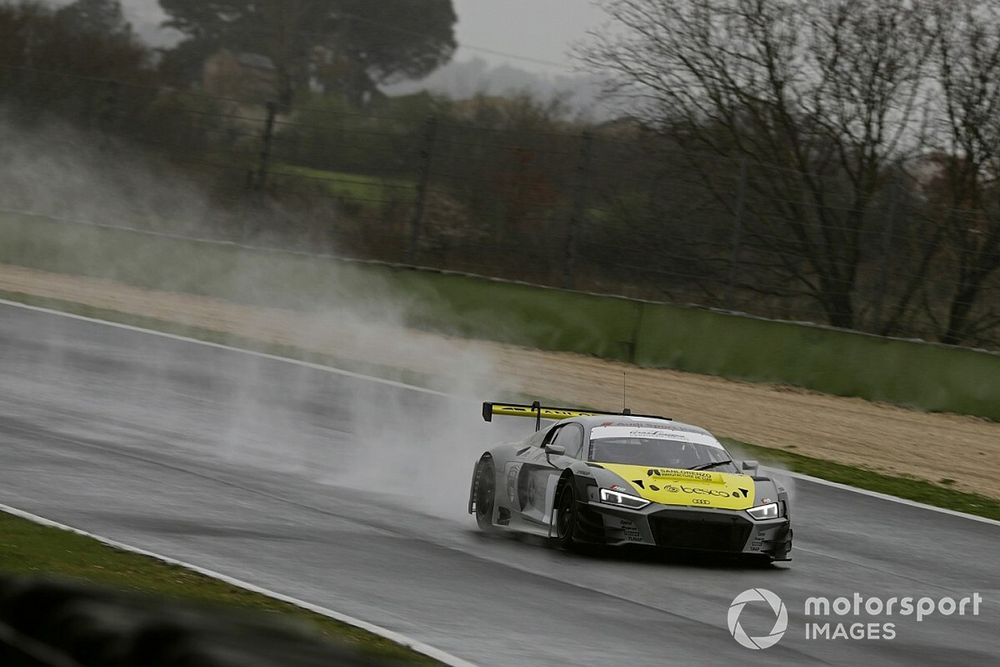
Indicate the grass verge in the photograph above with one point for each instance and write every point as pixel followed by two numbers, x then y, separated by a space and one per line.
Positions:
pixel 29 549
pixel 359 187
pixel 918 490
pixel 928 377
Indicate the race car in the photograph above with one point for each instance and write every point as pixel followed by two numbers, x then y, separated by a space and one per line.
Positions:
pixel 606 478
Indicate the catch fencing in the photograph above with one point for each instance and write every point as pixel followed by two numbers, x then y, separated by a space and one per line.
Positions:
pixel 500 188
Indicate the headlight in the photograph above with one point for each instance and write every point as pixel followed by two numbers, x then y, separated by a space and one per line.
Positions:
pixel 622 499
pixel 769 511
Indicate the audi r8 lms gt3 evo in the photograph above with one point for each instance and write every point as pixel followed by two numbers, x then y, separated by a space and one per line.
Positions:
pixel 615 479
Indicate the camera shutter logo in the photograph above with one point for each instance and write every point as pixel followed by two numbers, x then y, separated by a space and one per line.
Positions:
pixel 780 622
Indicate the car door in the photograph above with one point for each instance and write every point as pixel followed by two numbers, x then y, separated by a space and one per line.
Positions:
pixel 540 470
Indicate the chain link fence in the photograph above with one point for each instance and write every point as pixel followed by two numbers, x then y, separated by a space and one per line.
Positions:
pixel 612 208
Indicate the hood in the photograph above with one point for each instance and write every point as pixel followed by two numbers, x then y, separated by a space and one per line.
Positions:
pixel 693 488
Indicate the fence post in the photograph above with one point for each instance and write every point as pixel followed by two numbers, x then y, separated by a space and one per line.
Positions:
pixel 423 180
pixel 737 241
pixel 887 236
pixel 267 140
pixel 578 211
pixel 108 113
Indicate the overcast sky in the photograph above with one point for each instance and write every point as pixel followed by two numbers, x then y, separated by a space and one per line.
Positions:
pixel 541 29
pixel 535 29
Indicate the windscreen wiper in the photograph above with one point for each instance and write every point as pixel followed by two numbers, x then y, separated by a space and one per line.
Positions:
pixel 711 465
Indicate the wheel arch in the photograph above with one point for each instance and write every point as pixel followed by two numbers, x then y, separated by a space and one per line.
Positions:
pixel 580 483
pixel 567 477
pixel 589 526
pixel 487 456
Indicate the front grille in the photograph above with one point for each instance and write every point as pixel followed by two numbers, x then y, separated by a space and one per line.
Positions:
pixel 705 532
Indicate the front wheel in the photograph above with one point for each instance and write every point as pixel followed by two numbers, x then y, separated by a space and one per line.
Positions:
pixel 485 494
pixel 567 517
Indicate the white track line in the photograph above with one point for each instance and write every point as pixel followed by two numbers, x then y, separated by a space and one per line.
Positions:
pixel 220 346
pixel 396 637
pixel 881 496
pixel 410 387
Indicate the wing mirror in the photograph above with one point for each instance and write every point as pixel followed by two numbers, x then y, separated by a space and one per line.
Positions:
pixel 549 450
pixel 750 465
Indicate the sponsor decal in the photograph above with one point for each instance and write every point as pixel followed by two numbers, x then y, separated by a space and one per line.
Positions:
pixel 701 491
pixel 657 434
pixel 660 433
pixel 512 472
pixel 630 531
pixel 679 473
pixel 669 486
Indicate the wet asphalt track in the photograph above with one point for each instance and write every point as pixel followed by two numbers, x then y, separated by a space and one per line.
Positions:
pixel 230 462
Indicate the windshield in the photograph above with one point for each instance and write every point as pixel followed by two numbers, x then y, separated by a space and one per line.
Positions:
pixel 657 448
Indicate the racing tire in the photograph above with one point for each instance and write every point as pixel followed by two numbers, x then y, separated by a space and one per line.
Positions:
pixel 567 517
pixel 485 494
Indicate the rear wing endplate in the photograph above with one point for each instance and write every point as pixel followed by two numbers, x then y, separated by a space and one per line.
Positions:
pixel 540 412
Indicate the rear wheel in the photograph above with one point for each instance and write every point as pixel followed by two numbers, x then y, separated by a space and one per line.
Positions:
pixel 567 517
pixel 485 494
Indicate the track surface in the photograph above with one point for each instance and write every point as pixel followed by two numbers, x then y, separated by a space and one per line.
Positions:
pixel 231 462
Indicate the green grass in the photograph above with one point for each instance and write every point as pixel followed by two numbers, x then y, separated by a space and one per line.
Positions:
pixel 359 187
pixel 916 375
pixel 910 488
pixel 29 549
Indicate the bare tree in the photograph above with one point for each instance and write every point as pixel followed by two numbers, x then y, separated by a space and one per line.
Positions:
pixel 820 97
pixel 968 72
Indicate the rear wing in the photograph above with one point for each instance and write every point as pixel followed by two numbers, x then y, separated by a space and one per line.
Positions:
pixel 540 412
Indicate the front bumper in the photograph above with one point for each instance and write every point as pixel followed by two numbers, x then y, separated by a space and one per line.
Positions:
pixel 691 528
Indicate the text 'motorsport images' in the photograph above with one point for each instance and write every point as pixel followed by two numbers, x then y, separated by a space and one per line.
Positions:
pixel 614 479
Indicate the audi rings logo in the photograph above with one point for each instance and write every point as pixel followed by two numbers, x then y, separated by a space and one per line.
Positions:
pixel 780 618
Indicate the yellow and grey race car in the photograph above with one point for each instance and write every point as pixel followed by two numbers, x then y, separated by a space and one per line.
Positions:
pixel 615 479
